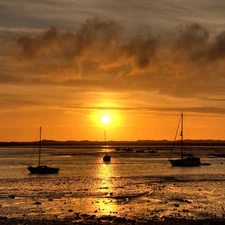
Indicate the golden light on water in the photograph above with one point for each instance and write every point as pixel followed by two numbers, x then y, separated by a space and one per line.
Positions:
pixel 106 205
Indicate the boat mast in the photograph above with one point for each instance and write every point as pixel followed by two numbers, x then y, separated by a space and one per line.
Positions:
pixel 39 159
pixel 105 137
pixel 181 136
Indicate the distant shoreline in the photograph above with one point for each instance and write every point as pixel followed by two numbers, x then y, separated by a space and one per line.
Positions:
pixel 111 144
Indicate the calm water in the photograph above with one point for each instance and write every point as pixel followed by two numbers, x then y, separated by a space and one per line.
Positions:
pixel 132 185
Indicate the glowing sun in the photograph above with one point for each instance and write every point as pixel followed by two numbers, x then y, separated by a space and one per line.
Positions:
pixel 105 119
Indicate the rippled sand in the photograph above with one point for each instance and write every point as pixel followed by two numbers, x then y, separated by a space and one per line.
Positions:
pixel 87 219
pixel 40 206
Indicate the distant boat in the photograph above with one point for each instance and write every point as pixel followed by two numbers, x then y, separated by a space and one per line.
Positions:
pixel 151 150
pixel 185 160
pixel 127 149
pixel 107 158
pixel 41 169
pixel 140 150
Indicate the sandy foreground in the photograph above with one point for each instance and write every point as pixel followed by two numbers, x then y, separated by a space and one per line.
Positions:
pixel 91 219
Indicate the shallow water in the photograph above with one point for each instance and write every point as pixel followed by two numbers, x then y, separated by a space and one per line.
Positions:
pixel 132 185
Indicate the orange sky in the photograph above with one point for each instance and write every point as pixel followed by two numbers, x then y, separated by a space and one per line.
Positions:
pixel 142 74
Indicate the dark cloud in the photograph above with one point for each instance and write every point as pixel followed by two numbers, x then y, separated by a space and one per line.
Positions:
pixel 191 35
pixel 182 62
pixel 141 50
pixel 217 49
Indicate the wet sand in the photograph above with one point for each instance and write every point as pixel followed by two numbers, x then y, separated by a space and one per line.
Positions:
pixel 91 219
pixel 126 191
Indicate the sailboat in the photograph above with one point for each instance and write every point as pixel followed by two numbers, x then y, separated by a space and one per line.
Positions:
pixel 106 157
pixel 41 169
pixel 185 160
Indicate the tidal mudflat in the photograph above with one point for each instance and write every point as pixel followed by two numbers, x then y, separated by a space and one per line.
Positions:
pixel 134 188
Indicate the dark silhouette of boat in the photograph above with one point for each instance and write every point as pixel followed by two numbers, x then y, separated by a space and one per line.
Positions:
pixel 41 169
pixel 107 158
pixel 151 150
pixel 140 150
pixel 185 160
pixel 127 149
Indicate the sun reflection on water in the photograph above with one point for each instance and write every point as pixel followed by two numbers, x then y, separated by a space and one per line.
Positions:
pixel 106 205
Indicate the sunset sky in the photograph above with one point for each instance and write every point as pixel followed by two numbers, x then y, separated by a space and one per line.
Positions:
pixel 67 63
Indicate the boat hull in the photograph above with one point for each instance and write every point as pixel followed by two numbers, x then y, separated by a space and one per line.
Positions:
pixel 42 170
pixel 186 162
pixel 106 158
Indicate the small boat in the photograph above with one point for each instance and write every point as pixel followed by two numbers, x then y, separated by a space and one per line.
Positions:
pixel 185 160
pixel 107 158
pixel 152 150
pixel 41 169
pixel 140 150
pixel 127 149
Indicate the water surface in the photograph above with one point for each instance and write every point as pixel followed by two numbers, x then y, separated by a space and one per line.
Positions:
pixel 131 185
